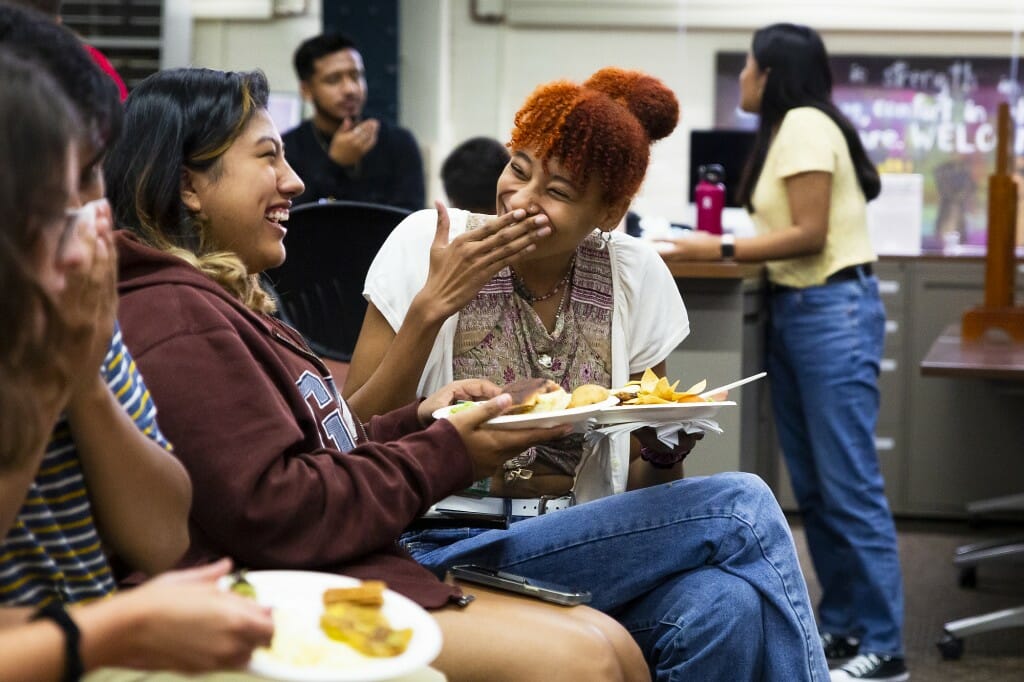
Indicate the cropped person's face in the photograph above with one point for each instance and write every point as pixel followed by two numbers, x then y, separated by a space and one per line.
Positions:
pixel 573 210
pixel 91 185
pixel 59 249
pixel 245 198
pixel 337 87
pixel 752 80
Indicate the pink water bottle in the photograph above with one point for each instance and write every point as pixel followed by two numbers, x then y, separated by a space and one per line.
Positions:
pixel 710 198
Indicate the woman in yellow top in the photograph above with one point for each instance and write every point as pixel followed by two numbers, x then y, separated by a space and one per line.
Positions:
pixel 807 185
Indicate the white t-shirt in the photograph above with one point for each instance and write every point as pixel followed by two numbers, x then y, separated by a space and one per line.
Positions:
pixel 649 321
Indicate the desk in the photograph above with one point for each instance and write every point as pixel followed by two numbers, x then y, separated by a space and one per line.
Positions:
pixel 726 309
pixel 1001 360
pixel 989 359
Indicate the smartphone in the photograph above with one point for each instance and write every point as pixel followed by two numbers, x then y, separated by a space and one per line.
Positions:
pixel 541 589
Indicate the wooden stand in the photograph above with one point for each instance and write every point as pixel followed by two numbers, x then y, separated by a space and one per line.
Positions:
pixel 998 311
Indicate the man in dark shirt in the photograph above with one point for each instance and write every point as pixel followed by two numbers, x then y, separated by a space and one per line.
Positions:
pixel 338 153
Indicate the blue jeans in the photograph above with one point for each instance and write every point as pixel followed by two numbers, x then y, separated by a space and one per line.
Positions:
pixel 824 350
pixel 702 572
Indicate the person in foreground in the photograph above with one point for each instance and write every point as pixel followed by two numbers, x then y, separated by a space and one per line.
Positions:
pixel 702 574
pixel 106 467
pixel 588 306
pixel 53 250
pixel 807 185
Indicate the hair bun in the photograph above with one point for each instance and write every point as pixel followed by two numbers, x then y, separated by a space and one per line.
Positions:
pixel 650 100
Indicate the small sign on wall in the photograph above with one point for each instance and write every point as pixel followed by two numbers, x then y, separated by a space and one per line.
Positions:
pixel 894 218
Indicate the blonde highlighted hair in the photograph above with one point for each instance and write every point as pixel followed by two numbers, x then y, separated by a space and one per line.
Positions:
pixel 178 120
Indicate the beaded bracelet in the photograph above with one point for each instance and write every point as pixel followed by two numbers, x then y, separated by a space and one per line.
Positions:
pixel 73 668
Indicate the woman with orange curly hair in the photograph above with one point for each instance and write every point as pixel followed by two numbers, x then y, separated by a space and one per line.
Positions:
pixel 701 572
pixel 561 308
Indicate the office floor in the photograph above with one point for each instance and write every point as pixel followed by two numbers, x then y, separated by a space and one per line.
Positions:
pixel 933 597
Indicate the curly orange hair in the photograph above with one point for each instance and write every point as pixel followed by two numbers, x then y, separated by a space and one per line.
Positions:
pixel 602 128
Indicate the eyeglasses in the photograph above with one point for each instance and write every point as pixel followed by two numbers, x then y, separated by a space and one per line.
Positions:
pixel 72 216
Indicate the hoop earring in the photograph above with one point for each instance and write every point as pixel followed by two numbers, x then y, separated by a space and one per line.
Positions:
pixel 606 236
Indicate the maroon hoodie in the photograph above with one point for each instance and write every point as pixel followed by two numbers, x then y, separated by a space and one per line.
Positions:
pixel 283 475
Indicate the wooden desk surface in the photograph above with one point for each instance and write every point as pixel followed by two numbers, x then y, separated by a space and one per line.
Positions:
pixel 716 270
pixel 987 359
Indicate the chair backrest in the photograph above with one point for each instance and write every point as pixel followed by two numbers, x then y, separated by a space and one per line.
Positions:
pixel 320 285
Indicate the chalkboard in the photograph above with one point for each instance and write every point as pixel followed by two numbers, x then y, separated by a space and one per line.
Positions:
pixel 917 114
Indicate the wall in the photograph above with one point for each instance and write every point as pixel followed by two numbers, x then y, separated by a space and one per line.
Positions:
pixel 460 78
pixel 244 44
pixel 492 67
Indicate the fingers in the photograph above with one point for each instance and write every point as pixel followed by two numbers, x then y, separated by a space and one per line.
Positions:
pixel 370 128
pixel 488 410
pixel 520 439
pixel 104 216
pixel 501 241
pixel 443 225
pixel 473 389
pixel 207 573
pixel 482 388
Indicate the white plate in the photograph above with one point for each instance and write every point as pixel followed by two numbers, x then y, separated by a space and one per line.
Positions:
pixel 674 412
pixel 543 420
pixel 297 601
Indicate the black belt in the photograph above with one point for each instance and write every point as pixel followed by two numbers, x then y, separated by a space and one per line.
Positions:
pixel 846 274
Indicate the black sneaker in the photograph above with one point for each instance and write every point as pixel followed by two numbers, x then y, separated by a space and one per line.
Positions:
pixel 872 667
pixel 839 648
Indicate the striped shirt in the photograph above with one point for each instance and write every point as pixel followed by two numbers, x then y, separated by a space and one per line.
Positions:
pixel 53 551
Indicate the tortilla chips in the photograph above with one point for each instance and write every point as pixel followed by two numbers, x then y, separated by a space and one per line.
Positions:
pixel 655 390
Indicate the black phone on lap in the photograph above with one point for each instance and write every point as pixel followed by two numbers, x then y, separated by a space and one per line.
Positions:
pixel 539 589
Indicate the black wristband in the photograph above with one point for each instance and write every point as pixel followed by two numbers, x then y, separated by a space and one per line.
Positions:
pixel 73 669
pixel 662 460
pixel 728 246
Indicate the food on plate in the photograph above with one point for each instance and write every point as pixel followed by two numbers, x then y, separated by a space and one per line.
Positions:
pixel 654 390
pixel 366 593
pixel 462 406
pixel 241 586
pixel 353 615
pixel 536 395
pixel 588 394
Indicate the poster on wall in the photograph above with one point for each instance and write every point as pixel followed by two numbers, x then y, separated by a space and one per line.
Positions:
pixel 930 116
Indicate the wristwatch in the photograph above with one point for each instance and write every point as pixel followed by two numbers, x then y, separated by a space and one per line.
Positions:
pixel 728 246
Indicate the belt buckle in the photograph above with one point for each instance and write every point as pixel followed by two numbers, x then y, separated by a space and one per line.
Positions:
pixel 542 504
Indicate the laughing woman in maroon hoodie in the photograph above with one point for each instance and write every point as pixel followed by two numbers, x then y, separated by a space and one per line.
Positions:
pixel 284 475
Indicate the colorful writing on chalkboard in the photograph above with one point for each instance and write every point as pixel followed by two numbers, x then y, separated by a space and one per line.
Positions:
pixel 935 116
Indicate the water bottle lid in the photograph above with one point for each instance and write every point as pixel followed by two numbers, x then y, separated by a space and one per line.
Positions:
pixel 712 172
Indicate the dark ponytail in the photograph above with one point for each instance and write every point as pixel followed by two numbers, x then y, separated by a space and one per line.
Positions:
pixel 798 76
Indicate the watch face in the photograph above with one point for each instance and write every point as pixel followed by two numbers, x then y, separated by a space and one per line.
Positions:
pixel 728 247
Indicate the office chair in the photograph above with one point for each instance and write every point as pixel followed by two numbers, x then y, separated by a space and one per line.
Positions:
pixel 320 285
pixel 967 558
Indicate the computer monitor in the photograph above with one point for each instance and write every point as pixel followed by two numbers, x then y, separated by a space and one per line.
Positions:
pixel 729 148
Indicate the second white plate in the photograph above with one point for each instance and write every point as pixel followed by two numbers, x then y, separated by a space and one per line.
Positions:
pixel 575 415
pixel 672 412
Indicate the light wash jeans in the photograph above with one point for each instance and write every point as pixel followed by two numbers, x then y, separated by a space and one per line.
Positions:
pixel 825 346
pixel 702 572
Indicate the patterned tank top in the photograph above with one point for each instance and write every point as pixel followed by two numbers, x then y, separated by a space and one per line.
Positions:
pixel 500 337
